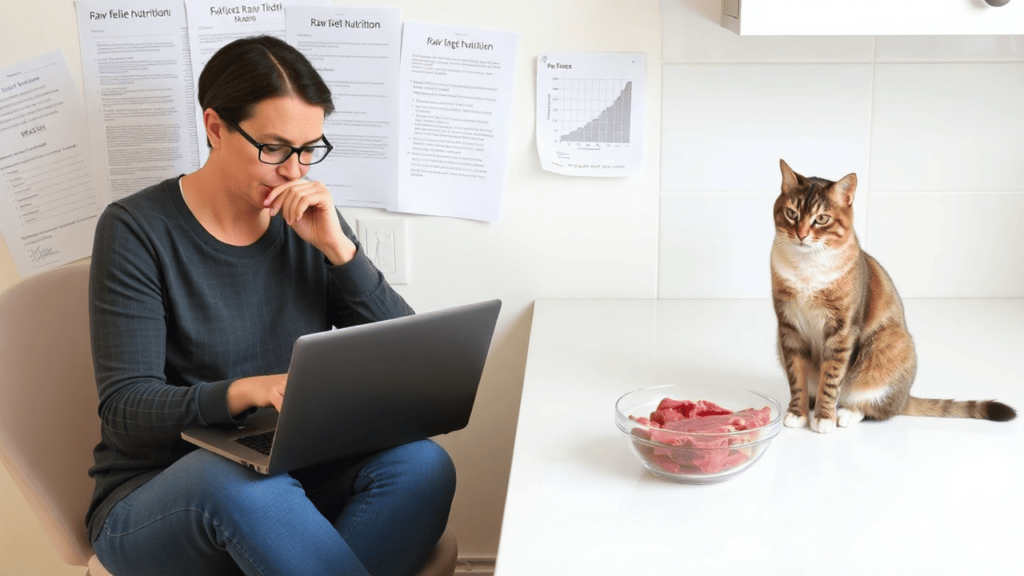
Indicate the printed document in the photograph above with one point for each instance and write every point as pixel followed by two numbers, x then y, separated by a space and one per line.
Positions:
pixel 138 93
pixel 590 113
pixel 357 52
pixel 47 191
pixel 215 23
pixel 456 94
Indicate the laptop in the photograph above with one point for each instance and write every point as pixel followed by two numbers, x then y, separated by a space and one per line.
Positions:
pixel 364 388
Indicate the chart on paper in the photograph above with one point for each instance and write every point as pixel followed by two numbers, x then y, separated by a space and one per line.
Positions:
pixel 592 110
pixel 590 113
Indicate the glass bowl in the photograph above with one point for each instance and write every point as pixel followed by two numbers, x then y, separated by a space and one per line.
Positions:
pixel 708 446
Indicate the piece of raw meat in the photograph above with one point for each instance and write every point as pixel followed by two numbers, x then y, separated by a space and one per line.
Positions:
pixel 686 434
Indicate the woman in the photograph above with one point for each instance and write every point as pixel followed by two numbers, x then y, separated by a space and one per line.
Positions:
pixel 199 287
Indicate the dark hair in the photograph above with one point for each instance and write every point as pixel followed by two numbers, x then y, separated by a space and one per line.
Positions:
pixel 250 70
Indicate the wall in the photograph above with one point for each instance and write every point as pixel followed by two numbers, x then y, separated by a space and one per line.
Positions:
pixel 932 126
pixel 559 237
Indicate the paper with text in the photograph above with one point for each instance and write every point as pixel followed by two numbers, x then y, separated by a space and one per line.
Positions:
pixel 357 52
pixel 47 191
pixel 138 94
pixel 456 106
pixel 214 23
pixel 591 113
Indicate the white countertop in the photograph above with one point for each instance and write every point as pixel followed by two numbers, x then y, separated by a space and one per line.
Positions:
pixel 906 496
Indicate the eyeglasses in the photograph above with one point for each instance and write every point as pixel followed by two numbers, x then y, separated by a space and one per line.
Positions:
pixel 280 153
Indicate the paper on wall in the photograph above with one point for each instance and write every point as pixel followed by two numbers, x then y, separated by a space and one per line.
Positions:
pixel 48 201
pixel 456 105
pixel 214 23
pixel 591 113
pixel 357 52
pixel 138 93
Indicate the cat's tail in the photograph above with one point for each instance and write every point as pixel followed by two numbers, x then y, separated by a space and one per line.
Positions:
pixel 984 409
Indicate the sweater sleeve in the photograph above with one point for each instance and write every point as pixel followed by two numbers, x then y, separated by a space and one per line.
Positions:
pixel 137 405
pixel 359 292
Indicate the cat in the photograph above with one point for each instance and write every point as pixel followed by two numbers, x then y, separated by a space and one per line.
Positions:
pixel 842 336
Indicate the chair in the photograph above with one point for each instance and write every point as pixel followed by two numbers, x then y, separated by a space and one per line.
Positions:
pixel 48 418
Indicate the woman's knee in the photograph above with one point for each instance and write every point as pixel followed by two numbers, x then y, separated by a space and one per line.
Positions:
pixel 219 485
pixel 425 464
pixel 432 460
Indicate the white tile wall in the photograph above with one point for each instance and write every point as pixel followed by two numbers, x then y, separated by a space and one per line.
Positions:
pixel 933 127
pixel 948 48
pixel 715 245
pixel 725 126
pixel 947 245
pixel 948 126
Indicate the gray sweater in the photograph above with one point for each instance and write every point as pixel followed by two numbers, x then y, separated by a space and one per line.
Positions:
pixel 176 316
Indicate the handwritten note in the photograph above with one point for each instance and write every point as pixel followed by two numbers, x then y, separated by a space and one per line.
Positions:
pixel 47 190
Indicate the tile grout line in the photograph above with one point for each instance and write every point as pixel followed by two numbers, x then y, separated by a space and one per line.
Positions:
pixel 872 95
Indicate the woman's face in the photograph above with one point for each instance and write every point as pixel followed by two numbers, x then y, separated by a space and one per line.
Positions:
pixel 281 120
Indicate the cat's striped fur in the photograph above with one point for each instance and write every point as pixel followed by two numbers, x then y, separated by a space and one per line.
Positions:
pixel 843 339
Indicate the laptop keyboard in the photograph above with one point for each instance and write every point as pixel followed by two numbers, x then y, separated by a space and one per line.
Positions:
pixel 258 442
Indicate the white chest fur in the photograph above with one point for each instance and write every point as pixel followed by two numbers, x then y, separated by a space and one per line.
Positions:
pixel 806 271
pixel 810 321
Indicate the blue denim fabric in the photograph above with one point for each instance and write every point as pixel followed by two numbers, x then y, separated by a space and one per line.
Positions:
pixel 377 514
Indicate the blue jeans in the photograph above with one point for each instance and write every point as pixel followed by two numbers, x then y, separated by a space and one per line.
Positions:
pixel 377 514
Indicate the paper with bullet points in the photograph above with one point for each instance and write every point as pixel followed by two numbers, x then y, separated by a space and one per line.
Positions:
pixel 47 189
pixel 137 93
pixel 456 95
pixel 357 52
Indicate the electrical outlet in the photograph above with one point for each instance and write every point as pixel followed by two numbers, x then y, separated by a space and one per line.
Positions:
pixel 384 242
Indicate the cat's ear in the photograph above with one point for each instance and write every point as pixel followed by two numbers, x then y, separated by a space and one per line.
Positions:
pixel 790 179
pixel 845 189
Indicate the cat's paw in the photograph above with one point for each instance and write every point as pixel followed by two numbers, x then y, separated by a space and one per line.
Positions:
pixel 823 425
pixel 795 420
pixel 846 418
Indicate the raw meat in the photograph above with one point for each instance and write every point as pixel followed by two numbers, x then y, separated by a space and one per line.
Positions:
pixel 682 428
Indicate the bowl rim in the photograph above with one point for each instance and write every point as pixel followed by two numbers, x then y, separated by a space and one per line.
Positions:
pixel 620 416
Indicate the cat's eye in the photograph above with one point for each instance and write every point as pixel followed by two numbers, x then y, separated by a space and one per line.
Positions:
pixel 791 214
pixel 822 219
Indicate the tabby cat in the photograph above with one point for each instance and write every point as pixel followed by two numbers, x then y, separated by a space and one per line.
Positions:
pixel 843 340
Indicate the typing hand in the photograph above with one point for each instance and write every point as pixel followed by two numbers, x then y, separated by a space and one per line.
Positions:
pixel 256 392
